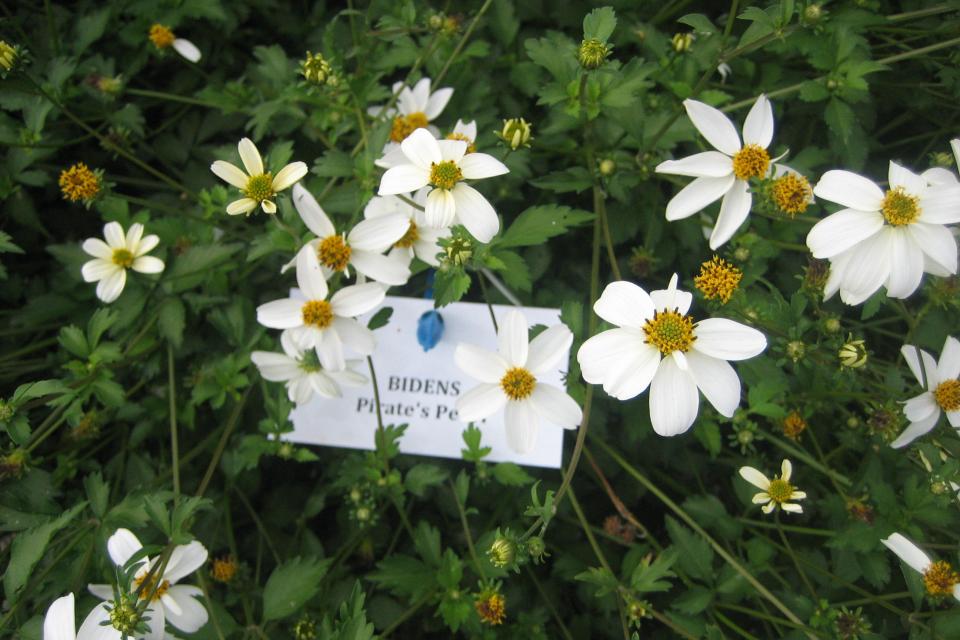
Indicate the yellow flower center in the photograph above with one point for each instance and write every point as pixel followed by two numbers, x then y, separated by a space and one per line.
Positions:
pixel 518 383
pixel 780 490
pixel 718 279
pixel 940 578
pixel 403 126
pixel 669 331
pixel 409 238
pixel 79 183
pixel 161 36
pixel 491 608
pixel 792 193
pixel 150 586
pixel 794 425
pixel 317 313
pixel 260 187
pixel 122 258
pixel 471 146
pixel 223 569
pixel 445 174
pixel 334 253
pixel 947 395
pixel 900 208
pixel 752 161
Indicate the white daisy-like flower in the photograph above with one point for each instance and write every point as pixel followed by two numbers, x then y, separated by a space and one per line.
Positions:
pixel 259 187
pixel 120 252
pixel 314 322
pixel 657 344
pixel 777 492
pixel 175 603
pixel 939 578
pixel 419 240
pixel 464 131
pixel 304 375
pixel 508 381
pixel 60 623
pixel 362 248
pixel 416 108
pixel 942 175
pixel 941 390
pixel 724 173
pixel 444 165
pixel 884 238
pixel 163 38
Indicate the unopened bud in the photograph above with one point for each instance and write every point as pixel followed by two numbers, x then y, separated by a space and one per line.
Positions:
pixel 516 132
pixel 853 354
pixel 502 553
pixel 593 53
pixel 682 41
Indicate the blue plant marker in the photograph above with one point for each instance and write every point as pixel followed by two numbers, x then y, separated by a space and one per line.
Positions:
pixel 430 324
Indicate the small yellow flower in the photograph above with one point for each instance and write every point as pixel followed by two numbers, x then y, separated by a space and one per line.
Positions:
pixel 718 279
pixel 79 183
pixel 161 36
pixel 491 606
pixel 259 187
pixel 502 552
pixel 777 492
pixel 792 193
pixel 224 569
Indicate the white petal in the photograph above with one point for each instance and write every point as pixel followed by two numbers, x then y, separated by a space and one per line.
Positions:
pixel 243 205
pixel 403 178
pixel 755 478
pixel 717 380
pixel 421 94
pixel 324 385
pixel 475 213
pixel 122 545
pixel 355 335
pixel 452 150
pixel 938 176
pixel 672 298
pixel 920 407
pixel 269 206
pixel 379 233
pixel 312 213
pixel 113 234
pixel 727 340
pixel 184 560
pixel 555 406
pixel 281 314
pixel 97 248
pixel 477 362
pixel 850 190
pixel 842 230
pixel 91 629
pixel 380 267
pixel 632 373
pixel 392 157
pixel 310 277
pixel 512 339
pixel 734 210
pixel 914 430
pixel 157 622
pixel 102 591
pixel 522 425
pixel 289 175
pixel 937 243
pixel 437 101
pixel 907 264
pixel 422 150
pixel 674 401
pixel 905 179
pixel 791 508
pixel 714 126
pixel 329 350
pixel 949 366
pixel 940 204
pixel 134 233
pixel 758 127
pixel 441 209
pixel 187 49
pixel 230 173
pixel 476 166
pixel 867 269
pixel 59 623
pixel 761 498
pixel 481 402
pixel 600 353
pixel 110 288
pixel 786 470
pixel 624 304
pixel 98 269
pixel 908 552
pixel 192 614
pixel 275 367
pixel 250 157
pixel 147 264
pixel 909 353
pixel 709 164
pixel 357 299
pixel 953 417
pixel 547 349
pixel 697 195
pixel 147 245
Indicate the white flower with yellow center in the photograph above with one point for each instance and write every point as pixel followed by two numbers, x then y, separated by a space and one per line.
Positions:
pixel 443 165
pixel 777 492
pixel 120 252
pixel 259 187
pixel 463 131
pixel 884 238
pixel 941 390
pixel 508 381
pixel 942 175
pixel 60 623
pixel 303 374
pixel 362 248
pixel 724 173
pixel 169 602
pixel 314 322
pixel 419 240
pixel 163 38
pixel 416 108
pixel 939 578
pixel 657 344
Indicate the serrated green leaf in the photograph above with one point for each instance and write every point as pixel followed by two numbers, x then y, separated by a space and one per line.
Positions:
pixel 537 224
pixel 171 320
pixel 511 474
pixel 696 556
pixel 423 476
pixel 291 585
pixel 449 286
pixel 599 24
pixel 27 549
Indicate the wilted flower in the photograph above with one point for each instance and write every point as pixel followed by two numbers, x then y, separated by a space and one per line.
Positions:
pixel 491 606
pixel 793 425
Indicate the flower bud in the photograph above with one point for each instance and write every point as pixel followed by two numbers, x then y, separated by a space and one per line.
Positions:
pixel 682 41
pixel 607 167
pixel 853 354
pixel 796 350
pixel 502 552
pixel 537 549
pixel 593 53
pixel 516 133
pixel 318 71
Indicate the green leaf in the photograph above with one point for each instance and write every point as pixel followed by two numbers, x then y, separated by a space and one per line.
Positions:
pixel 449 286
pixel 73 340
pixel 196 264
pixel 537 224
pixel 451 570
pixel 89 28
pixel 291 585
pixel 171 320
pixel 426 539
pixel 573 179
pixel 36 389
pixel 699 22
pixel 334 164
pixel 693 601
pixel 599 24
pixel 514 270
pixel 840 118
pixel 601 577
pixel 98 493
pixel 696 556
pixel 380 318
pixel 423 476
pixel 649 577
pixel 404 576
pixel 511 474
pixel 28 548
pixel 474 452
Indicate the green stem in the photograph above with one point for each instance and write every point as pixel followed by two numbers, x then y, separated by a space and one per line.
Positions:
pixel 793 557
pixel 222 444
pixel 174 440
pixel 466 533
pixel 546 600
pixel 462 43
pixel 381 431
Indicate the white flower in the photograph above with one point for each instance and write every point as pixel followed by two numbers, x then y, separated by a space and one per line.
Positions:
pixel 777 492
pixel 315 323
pixel 939 577
pixel 941 390
pixel 443 165
pixel 884 238
pixel 112 258
pixel 723 173
pixel 942 175
pixel 657 345
pixel 302 377
pixel 163 37
pixel 508 381
pixel 59 623
pixel 464 131
pixel 416 108
pixel 172 602
pixel 258 187
pixel 419 240
pixel 363 247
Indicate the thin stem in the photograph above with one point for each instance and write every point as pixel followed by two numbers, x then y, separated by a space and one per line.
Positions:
pixel 381 431
pixel 259 523
pixel 486 298
pixel 466 532
pixel 462 43
pixel 546 600
pixel 174 440
pixel 793 557
pixel 406 615
pixel 221 445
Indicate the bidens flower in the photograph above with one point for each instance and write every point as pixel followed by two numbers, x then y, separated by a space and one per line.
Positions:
pixel 884 238
pixel 723 173
pixel 258 187
pixel 170 602
pixel 444 165
pixel 657 344
pixel 163 38
pixel 941 390
pixel 112 258
pixel 59 623
pixel 416 108
pixel 939 578
pixel 777 492
pixel 419 240
pixel 79 182
pixel 509 381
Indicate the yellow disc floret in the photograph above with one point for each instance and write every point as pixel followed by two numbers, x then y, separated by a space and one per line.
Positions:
pixel 154 586
pixel 444 175
pixel 223 569
pixel 794 425
pixel 403 126
pixel 334 252
pixel 752 161
pixel 792 193
pixel 518 383
pixel 718 279
pixel 161 36
pixel 122 258
pixel 947 395
pixel 317 313
pixel 669 331
pixel 409 238
pixel 260 187
pixel 79 183
pixel 471 146
pixel 779 490
pixel 899 208
pixel 491 606
pixel 940 578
